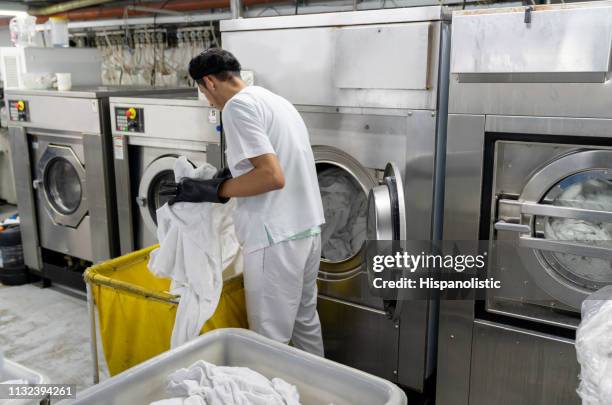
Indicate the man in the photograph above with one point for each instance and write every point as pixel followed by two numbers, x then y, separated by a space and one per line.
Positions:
pixel 279 209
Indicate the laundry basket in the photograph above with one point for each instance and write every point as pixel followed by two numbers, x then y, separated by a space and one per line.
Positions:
pixel 319 381
pixel 136 312
pixel 16 371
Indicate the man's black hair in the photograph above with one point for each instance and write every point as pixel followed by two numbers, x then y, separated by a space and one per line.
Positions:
pixel 214 61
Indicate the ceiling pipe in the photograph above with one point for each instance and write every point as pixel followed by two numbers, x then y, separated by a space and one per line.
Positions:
pixel 236 8
pixel 65 6
pixel 96 13
pixel 154 10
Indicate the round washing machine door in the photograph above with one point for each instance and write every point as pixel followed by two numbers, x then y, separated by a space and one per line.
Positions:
pixel 149 200
pixel 566 215
pixel 386 221
pixel 344 185
pixel 62 177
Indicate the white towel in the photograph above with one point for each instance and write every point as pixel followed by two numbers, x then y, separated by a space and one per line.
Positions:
pixel 197 241
pixel 218 385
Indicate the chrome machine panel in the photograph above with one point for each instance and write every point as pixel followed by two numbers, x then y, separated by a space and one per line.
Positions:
pixel 581 36
pixel 149 134
pixel 543 366
pixel 360 120
pixel 566 79
pixel 337 42
pixel 521 130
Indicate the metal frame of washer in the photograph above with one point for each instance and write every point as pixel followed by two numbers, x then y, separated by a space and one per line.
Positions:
pixel 360 115
pixel 174 125
pixel 530 104
pixel 71 125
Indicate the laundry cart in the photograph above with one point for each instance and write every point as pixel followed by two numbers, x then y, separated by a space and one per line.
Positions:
pixel 318 380
pixel 136 312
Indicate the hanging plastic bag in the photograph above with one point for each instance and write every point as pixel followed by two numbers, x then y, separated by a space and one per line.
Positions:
pixel 594 348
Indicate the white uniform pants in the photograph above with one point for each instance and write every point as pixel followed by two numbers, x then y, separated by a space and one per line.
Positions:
pixel 280 284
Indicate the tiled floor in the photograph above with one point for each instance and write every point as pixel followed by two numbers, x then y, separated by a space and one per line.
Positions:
pixel 47 330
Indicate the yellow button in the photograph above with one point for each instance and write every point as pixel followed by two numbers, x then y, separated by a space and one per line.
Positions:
pixel 20 105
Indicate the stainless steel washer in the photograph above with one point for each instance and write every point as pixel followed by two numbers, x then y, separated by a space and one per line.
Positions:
pixel 528 169
pixel 149 134
pixel 372 125
pixel 61 143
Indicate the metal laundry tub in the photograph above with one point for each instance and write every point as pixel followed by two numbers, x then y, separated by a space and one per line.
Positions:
pixel 136 312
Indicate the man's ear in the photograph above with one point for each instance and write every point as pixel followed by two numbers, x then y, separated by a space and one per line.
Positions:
pixel 209 83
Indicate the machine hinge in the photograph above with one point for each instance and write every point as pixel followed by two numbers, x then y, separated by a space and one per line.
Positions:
pixel 509 217
pixel 509 211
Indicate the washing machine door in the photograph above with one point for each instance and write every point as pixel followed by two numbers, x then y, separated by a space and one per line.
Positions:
pixel 563 219
pixel 62 178
pixel 148 199
pixel 386 221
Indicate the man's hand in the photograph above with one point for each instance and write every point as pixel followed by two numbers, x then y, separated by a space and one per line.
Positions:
pixel 195 190
pixel 266 175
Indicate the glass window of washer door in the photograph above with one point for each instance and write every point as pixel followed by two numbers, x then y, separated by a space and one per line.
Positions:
pixel 591 190
pixel 63 186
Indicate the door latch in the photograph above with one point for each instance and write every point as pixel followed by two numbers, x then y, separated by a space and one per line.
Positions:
pixel 36 184
pixel 509 226
pixel 528 11
pixel 142 201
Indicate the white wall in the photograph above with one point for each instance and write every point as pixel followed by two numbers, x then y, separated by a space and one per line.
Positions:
pixel 5 38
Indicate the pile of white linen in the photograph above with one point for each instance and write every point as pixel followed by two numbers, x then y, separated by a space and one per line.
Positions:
pixel 345 206
pixel 206 384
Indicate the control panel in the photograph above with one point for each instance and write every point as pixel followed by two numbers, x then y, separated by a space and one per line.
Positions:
pixel 129 119
pixel 18 110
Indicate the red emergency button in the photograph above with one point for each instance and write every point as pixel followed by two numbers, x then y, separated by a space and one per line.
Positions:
pixel 131 113
pixel 20 105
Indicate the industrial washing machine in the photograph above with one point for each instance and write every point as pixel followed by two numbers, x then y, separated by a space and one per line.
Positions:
pixel 149 134
pixel 370 124
pixel 63 177
pixel 529 170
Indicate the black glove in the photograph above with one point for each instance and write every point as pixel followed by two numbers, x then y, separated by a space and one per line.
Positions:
pixel 223 174
pixel 194 190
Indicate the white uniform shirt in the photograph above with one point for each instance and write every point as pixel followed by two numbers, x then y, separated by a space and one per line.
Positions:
pixel 256 122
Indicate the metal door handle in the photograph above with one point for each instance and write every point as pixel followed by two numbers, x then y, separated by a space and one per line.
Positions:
pixel 566 247
pixel 509 226
pixel 566 212
pixel 513 208
pixel 142 201
pixel 36 184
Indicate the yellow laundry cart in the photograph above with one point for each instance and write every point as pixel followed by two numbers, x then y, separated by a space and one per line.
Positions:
pixel 136 312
